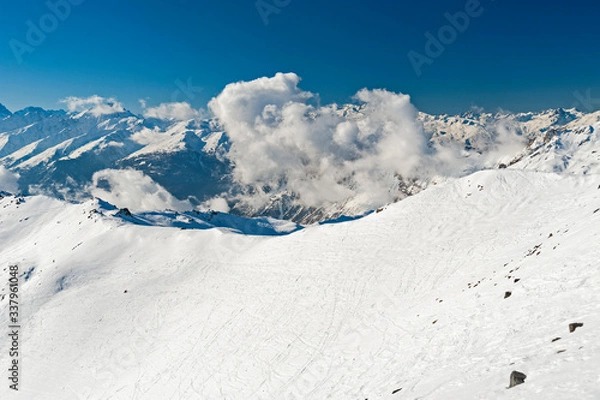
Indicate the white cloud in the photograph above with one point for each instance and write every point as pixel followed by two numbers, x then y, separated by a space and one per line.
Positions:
pixel 217 204
pixel 95 105
pixel 282 142
pixel 134 190
pixel 9 181
pixel 173 111
pixel 507 143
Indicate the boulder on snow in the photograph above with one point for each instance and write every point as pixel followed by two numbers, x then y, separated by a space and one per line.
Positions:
pixel 574 326
pixel 516 378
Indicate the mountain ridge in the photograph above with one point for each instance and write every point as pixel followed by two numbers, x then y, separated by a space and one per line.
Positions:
pixel 438 296
pixel 58 153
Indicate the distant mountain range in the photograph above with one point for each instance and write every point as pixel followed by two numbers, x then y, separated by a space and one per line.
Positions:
pixel 57 153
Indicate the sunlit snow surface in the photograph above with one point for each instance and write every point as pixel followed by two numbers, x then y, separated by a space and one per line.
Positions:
pixel 411 297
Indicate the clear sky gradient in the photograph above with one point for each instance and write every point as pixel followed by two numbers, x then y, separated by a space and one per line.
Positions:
pixel 519 56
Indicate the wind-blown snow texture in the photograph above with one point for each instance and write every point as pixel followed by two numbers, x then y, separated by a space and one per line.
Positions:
pixel 411 297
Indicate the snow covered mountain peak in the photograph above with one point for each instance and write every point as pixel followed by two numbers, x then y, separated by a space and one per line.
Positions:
pixel 37 112
pixel 120 114
pixel 4 112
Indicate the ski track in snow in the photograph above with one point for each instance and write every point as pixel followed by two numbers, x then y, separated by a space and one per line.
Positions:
pixel 411 298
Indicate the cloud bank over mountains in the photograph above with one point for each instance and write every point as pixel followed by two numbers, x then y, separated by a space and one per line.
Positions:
pixel 279 141
pixel 263 147
pixel 323 155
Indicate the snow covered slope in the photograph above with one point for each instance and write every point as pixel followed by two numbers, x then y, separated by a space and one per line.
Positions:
pixel 410 298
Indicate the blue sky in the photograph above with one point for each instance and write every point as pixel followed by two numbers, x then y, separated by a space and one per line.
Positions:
pixel 515 55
